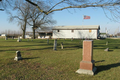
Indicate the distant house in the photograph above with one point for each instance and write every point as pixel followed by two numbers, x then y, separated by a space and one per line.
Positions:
pixel 44 34
pixel 26 36
pixel 77 32
pixel 103 35
pixel 3 35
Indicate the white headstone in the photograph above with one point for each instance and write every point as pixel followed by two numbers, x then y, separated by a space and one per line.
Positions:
pixel 107 49
pixel 18 39
pixel 61 45
pixel 6 38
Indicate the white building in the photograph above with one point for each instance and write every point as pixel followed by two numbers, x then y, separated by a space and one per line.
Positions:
pixel 3 35
pixel 77 32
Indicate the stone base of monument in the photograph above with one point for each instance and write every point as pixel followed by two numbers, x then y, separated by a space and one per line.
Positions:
pixel 84 71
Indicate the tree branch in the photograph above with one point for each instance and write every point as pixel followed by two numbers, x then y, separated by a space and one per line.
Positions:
pixel 17 17
pixel 36 6
pixel 79 6
pixel 84 6
pixel 1 9
pixel 57 4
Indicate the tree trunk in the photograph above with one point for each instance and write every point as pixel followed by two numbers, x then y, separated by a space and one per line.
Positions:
pixel 33 29
pixel 24 28
pixel 33 33
pixel 23 34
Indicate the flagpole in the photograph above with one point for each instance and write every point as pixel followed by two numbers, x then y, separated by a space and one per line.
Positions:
pixel 84 17
pixel 82 25
pixel 83 20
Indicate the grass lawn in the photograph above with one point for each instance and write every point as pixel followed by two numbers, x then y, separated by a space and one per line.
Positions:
pixel 40 62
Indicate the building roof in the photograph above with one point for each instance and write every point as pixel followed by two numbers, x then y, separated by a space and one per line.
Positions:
pixel 102 33
pixel 45 32
pixel 76 27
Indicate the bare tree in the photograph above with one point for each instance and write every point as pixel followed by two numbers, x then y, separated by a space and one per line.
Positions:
pixel 38 19
pixel 22 14
pixel 6 4
pixel 111 5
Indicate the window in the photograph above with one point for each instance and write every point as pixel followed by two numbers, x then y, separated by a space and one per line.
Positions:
pixel 90 30
pixel 72 30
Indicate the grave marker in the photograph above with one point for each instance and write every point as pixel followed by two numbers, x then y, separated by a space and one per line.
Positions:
pixel 71 39
pixel 18 39
pixel 87 64
pixel 28 39
pixel 13 37
pixel 18 56
pixel 55 44
pixel 61 45
pixel 107 49
pixel 107 43
pixel 6 38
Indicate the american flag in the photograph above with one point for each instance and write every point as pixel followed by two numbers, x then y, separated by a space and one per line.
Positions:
pixel 86 17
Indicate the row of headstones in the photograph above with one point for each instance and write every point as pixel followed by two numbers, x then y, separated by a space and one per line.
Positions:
pixel 18 40
pixel 55 43
pixel 6 38
pixel 87 65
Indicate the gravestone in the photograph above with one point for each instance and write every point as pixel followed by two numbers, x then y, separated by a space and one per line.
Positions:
pixel 61 45
pixel 13 37
pixel 18 39
pixel 18 56
pixel 71 39
pixel 107 43
pixel 107 49
pixel 55 44
pixel 6 38
pixel 87 64
pixel 28 39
